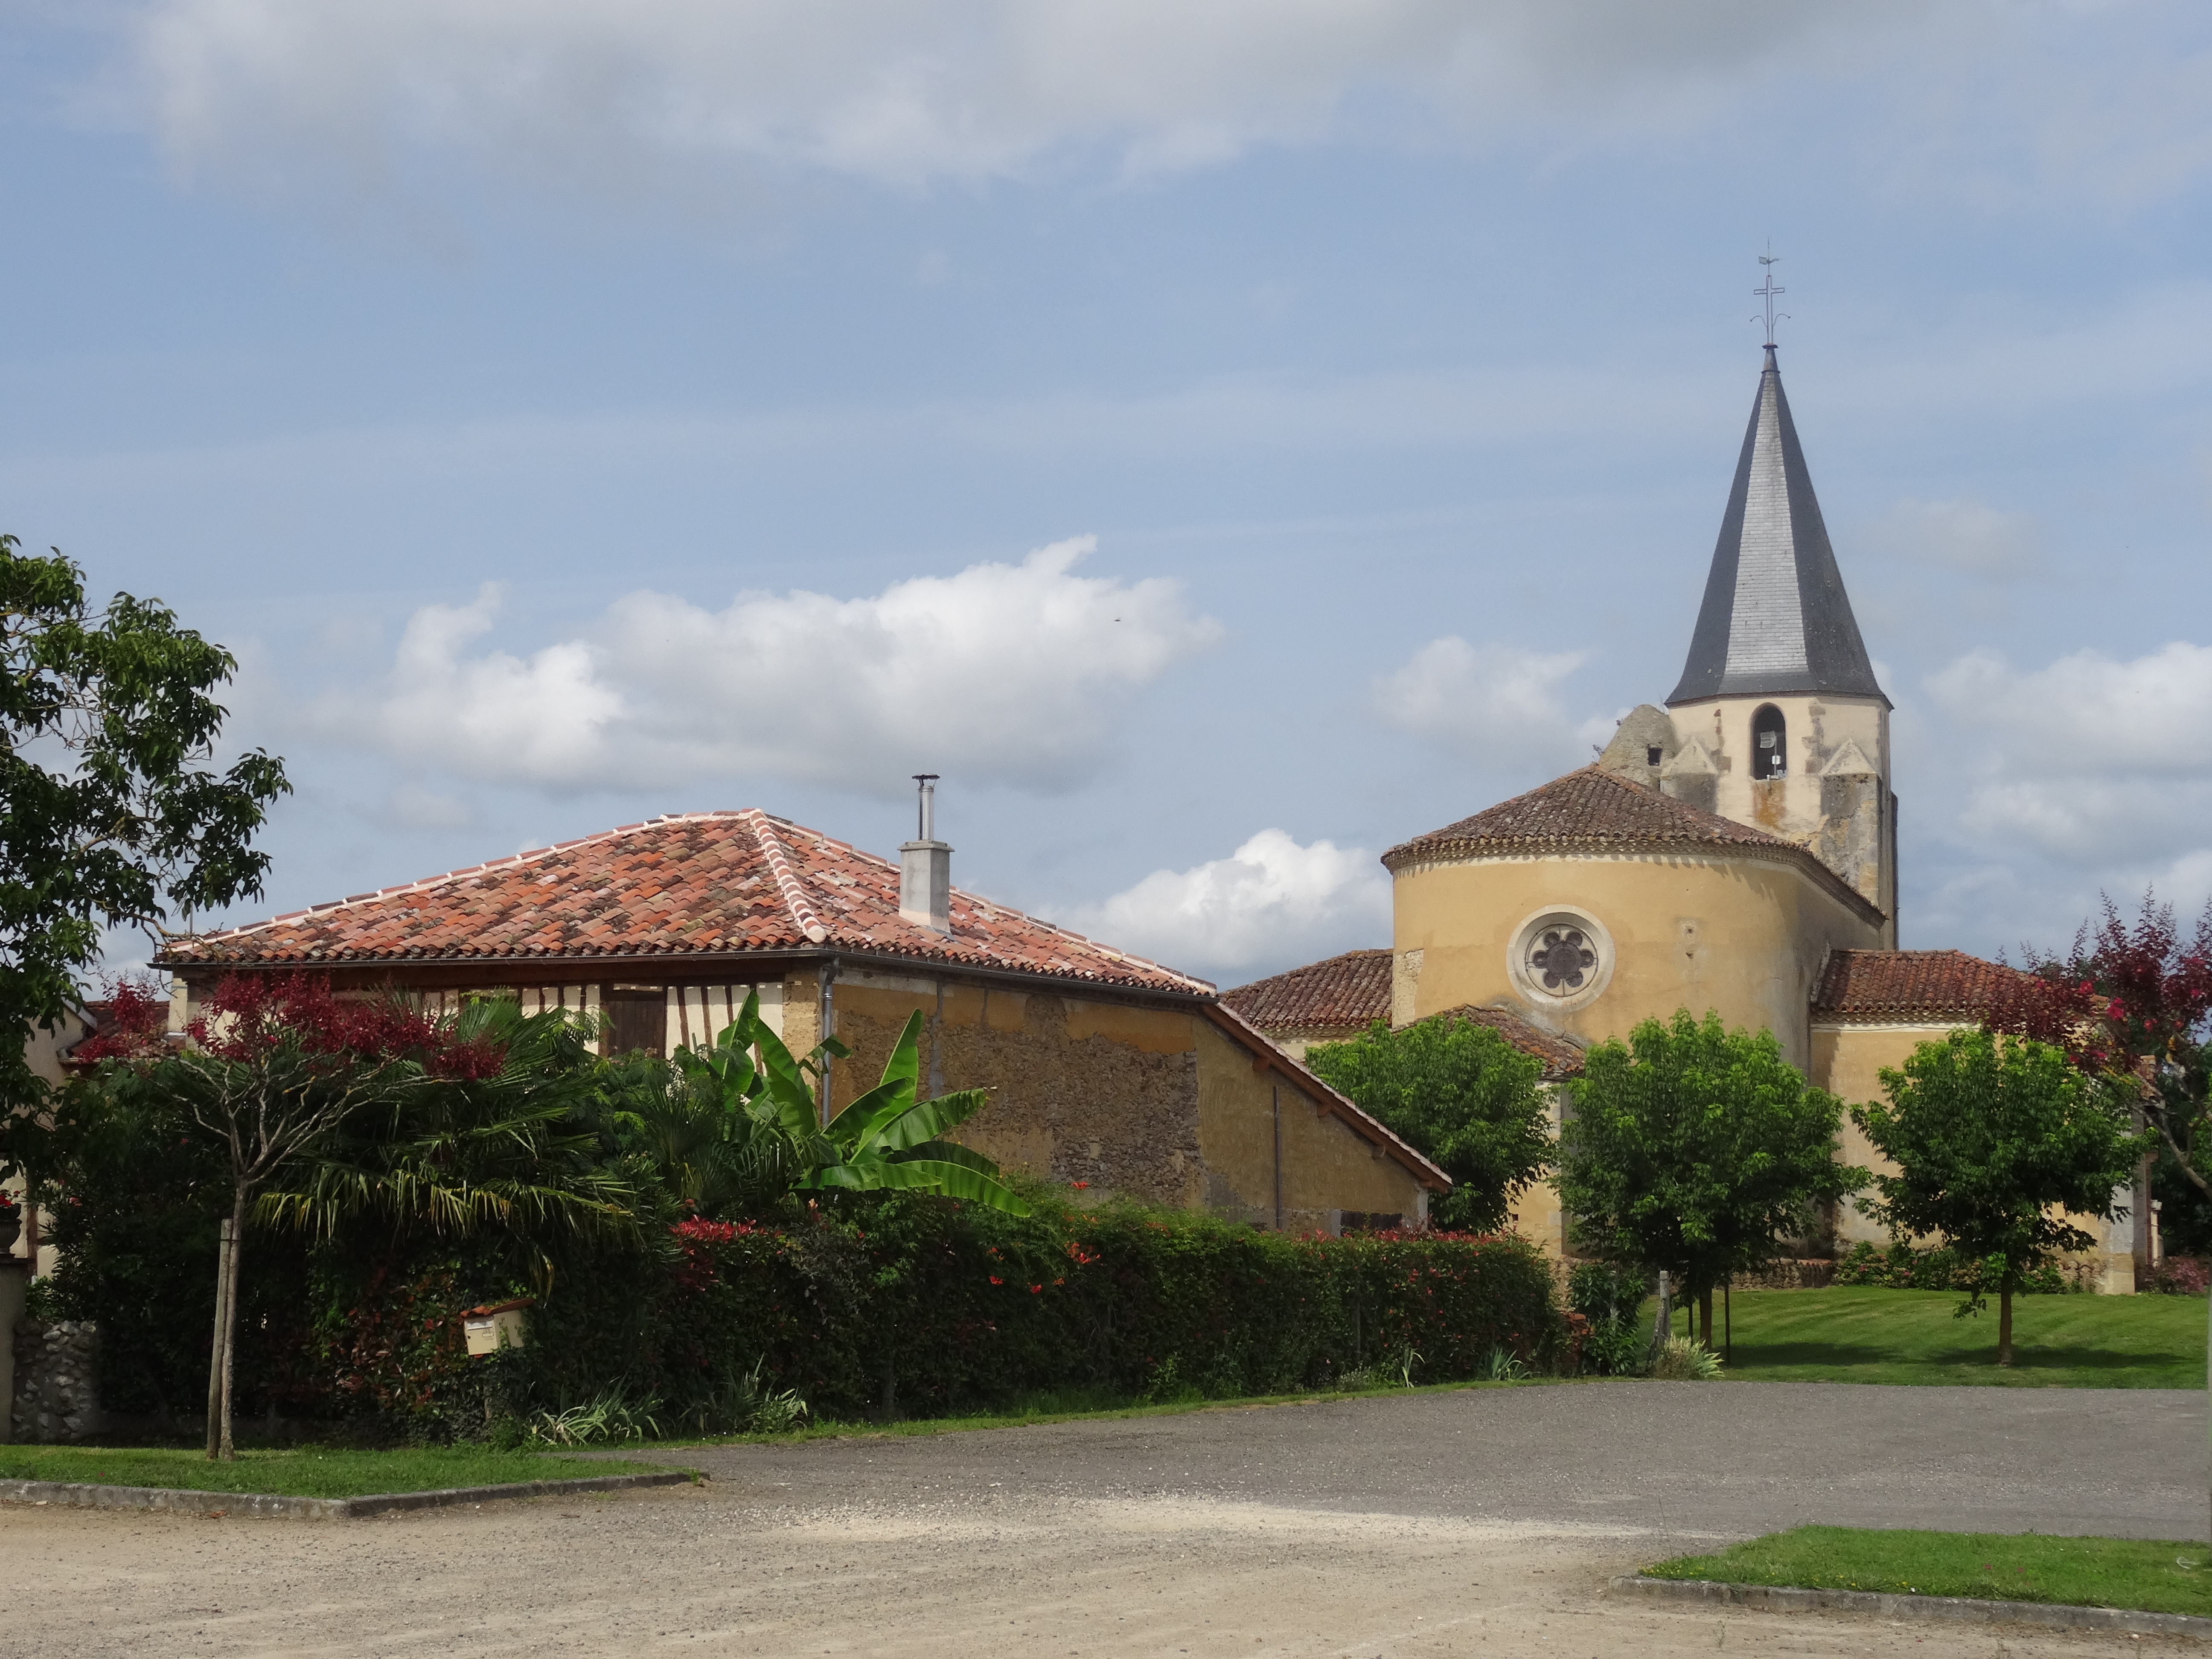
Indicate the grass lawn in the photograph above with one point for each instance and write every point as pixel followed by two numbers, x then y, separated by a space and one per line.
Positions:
pixel 297 1472
pixel 2148 1576
pixel 1860 1335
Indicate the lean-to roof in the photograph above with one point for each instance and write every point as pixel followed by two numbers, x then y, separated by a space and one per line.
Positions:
pixel 1874 988
pixel 1341 993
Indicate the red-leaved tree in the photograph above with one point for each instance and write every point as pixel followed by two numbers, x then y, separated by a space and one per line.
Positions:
pixel 132 1023
pixel 275 1064
pixel 2134 998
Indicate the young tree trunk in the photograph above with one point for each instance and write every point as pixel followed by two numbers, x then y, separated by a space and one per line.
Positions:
pixel 228 1320
pixel 2004 1321
pixel 1705 1317
pixel 216 1346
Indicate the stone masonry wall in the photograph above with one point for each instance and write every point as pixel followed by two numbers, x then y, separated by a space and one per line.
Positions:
pixel 56 1381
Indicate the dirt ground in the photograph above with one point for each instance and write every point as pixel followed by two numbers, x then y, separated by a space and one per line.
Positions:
pixel 1369 1530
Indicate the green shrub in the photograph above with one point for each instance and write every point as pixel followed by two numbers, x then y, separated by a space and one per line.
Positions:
pixel 1603 1291
pixel 1616 1347
pixel 1682 1360
pixel 1609 1296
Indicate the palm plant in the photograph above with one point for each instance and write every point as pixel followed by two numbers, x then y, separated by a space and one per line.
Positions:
pixel 512 1149
pixel 771 1131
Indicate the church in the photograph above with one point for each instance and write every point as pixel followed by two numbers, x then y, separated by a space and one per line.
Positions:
pixel 1735 851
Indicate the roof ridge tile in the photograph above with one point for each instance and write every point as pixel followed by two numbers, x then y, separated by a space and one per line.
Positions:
pixel 787 883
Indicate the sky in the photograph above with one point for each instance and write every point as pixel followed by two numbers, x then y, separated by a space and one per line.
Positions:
pixel 1222 439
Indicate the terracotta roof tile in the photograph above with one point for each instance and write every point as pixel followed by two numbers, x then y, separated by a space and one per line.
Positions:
pixel 1590 810
pixel 1873 987
pixel 1586 810
pixel 1562 1058
pixel 703 883
pixel 1349 993
pixel 1345 993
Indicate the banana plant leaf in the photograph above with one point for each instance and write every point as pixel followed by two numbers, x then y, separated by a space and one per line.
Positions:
pixel 885 1139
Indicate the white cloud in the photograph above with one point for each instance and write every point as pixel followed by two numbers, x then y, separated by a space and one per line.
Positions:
pixel 911 90
pixel 1964 535
pixel 1494 703
pixel 2093 760
pixel 1269 905
pixel 1014 674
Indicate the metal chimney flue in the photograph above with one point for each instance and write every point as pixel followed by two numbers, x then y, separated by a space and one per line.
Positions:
pixel 926 867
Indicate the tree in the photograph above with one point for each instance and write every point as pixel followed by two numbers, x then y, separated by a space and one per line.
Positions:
pixel 1461 1095
pixel 500 1136
pixel 2134 998
pixel 276 1066
pixel 771 1132
pixel 110 813
pixel 1698 1150
pixel 1992 1134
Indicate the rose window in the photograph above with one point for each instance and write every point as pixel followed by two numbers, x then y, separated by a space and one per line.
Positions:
pixel 1561 960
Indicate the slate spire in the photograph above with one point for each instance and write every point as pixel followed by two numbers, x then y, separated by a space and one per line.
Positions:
pixel 1776 619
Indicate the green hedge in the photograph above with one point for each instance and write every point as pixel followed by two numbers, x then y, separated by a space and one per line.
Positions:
pixel 897 1305
pixel 1901 1267
pixel 920 1307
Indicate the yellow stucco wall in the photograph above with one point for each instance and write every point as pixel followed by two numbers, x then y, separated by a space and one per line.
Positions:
pixel 1741 936
pixel 1326 1167
pixel 1848 1061
pixel 1536 1214
pixel 43 1048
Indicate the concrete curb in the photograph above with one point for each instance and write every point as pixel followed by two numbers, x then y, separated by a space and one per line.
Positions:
pixel 69 1494
pixel 1952 1609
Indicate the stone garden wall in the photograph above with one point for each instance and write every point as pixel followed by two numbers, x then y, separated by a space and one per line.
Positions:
pixel 56 1381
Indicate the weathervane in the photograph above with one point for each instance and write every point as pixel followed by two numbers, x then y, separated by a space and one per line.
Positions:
pixel 1768 291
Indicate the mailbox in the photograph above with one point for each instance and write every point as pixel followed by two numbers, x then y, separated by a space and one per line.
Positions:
pixel 496 1326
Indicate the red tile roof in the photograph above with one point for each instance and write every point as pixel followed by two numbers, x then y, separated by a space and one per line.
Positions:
pixel 689 886
pixel 1886 986
pixel 1590 810
pixel 1346 995
pixel 1342 993
pixel 1561 1058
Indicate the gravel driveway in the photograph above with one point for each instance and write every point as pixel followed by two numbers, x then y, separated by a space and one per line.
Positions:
pixel 1471 1523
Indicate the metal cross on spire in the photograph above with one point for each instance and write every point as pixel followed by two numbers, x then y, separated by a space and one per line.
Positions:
pixel 1768 291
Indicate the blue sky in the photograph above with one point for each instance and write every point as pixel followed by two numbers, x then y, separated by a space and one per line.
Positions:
pixel 1223 439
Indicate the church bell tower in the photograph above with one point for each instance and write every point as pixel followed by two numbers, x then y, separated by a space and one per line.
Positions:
pixel 1778 722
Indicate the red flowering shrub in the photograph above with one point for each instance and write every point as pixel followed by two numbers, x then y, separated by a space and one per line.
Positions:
pixel 2183 1275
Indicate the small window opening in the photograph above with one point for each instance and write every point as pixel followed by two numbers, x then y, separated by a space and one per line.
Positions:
pixel 1770 744
pixel 637 1019
pixel 1651 756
